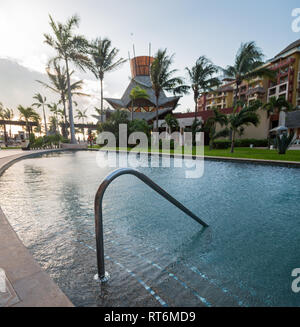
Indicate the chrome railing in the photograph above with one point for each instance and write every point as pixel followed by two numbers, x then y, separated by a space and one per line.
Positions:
pixel 98 212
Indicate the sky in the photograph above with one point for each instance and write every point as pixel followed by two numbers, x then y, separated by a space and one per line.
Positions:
pixel 188 28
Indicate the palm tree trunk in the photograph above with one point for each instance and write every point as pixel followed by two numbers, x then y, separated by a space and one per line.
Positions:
pixel 232 142
pixel 196 107
pixel 28 128
pixel 132 110
pixel 45 122
pixel 156 128
pixel 5 136
pixel 83 130
pixel 64 131
pixel 101 108
pixel 72 129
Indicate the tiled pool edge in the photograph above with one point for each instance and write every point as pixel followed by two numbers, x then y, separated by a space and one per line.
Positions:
pixel 33 286
pixel 282 163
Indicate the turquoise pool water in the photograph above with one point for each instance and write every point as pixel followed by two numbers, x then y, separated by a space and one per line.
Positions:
pixel 155 254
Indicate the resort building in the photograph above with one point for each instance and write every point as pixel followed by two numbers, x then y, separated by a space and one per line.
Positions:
pixel 143 108
pixel 286 84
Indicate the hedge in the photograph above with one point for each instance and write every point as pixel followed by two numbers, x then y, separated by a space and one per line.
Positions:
pixel 241 143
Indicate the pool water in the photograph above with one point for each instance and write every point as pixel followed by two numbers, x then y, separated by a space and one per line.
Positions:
pixel 155 254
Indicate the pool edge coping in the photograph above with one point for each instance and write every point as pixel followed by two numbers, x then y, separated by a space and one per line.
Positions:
pixel 282 163
pixel 32 285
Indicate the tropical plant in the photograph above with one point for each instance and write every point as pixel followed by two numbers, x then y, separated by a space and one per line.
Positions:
pixel 117 118
pixel 3 117
pixel 284 141
pixel 242 116
pixel 248 65
pixel 140 125
pixel 171 122
pixel 276 105
pixel 29 114
pixel 201 78
pixel 41 102
pixel 162 78
pixel 59 85
pixel 197 127
pixel 135 94
pixel 103 60
pixel 81 115
pixel 70 48
pixel 9 116
pixel 53 125
pixel 210 126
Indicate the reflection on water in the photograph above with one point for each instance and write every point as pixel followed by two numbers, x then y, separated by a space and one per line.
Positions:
pixel 156 255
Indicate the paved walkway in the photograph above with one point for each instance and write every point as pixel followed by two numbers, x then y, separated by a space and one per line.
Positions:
pixel 7 153
pixel 26 285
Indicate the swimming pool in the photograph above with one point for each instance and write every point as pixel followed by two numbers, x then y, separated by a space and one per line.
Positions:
pixel 155 254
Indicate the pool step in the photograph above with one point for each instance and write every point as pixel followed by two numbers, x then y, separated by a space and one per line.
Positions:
pixel 173 281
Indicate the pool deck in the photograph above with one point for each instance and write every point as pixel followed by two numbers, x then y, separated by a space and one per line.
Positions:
pixel 27 285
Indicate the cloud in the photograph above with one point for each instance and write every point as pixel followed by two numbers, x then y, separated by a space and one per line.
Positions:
pixel 18 84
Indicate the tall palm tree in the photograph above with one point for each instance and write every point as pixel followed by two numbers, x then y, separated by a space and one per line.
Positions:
pixel 29 114
pixel 247 65
pixel 210 126
pixel 81 115
pixel 59 85
pixel 201 78
pixel 70 48
pixel 135 94
pixel 162 78
pixel 241 116
pixel 41 102
pixel 103 60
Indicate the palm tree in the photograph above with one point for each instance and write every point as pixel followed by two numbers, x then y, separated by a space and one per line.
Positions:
pixel 81 114
pixel 103 60
pixel 29 114
pixel 247 65
pixel 171 122
pixel 161 77
pixel 135 94
pixel 201 78
pixel 9 116
pixel 3 116
pixel 211 125
pixel 241 116
pixel 41 102
pixel 70 48
pixel 56 112
pixel 275 106
pixel 58 84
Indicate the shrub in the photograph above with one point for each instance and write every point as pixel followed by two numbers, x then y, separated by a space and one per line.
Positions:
pixel 165 142
pixel 245 143
pixel 221 144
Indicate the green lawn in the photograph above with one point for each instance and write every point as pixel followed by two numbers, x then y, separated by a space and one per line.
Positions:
pixel 265 154
pixel 11 148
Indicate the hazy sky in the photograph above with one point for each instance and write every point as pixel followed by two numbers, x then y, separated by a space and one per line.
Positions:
pixel 188 28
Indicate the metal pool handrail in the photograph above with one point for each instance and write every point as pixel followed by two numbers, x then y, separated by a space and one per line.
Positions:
pixel 98 211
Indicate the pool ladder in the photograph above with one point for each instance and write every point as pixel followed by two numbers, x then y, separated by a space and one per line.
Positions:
pixel 102 276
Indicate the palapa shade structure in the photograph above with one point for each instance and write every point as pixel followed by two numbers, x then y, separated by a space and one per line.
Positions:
pixel 143 108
